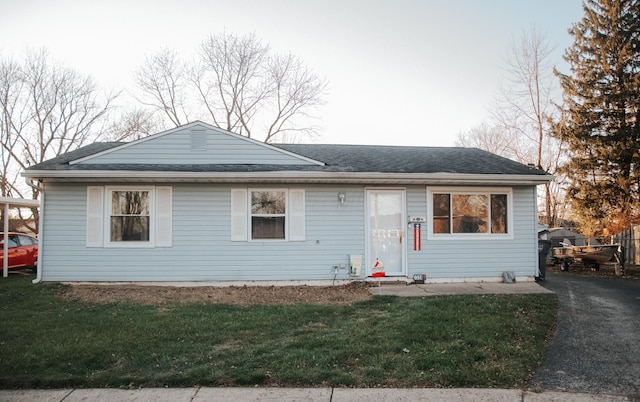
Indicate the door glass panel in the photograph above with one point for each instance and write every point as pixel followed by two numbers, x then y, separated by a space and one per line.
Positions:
pixel 386 230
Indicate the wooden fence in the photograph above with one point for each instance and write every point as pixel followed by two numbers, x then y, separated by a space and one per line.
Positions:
pixel 630 241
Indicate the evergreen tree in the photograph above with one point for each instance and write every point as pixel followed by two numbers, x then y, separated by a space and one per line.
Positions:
pixel 601 124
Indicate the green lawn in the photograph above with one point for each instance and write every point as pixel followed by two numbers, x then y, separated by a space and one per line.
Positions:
pixel 446 341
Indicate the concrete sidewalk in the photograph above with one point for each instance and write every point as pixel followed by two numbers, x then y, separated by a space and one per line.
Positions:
pixel 203 394
pixel 436 289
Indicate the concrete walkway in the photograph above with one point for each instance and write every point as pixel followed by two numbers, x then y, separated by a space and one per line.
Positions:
pixel 436 289
pixel 202 394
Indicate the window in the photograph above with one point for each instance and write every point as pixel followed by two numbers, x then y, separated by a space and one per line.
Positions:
pixel 129 216
pixel 461 212
pixel 268 214
pixel 13 241
pixel 27 240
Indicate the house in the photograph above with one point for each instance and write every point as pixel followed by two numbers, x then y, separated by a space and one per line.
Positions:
pixel 197 203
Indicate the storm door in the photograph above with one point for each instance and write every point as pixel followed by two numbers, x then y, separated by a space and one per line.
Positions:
pixel 386 232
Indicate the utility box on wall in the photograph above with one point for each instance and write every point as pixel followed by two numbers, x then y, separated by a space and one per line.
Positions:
pixel 355 264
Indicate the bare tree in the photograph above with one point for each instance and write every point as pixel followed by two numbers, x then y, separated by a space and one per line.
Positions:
pixel 46 110
pixel 237 84
pixel 526 101
pixel 524 111
pixel 489 137
pixel 498 139
pixel 296 91
pixel 526 105
pixel 231 79
pixel 162 79
pixel 132 124
pixel 14 117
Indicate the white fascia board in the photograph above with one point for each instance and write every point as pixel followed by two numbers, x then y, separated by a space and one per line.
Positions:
pixel 294 177
pixel 19 202
pixel 189 126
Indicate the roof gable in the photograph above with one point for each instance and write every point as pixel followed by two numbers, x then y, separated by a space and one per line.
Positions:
pixel 195 143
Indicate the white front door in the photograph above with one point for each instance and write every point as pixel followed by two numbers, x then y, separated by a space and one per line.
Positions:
pixel 386 231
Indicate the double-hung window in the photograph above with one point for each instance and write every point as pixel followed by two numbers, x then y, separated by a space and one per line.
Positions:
pixel 469 212
pixel 129 216
pixel 267 214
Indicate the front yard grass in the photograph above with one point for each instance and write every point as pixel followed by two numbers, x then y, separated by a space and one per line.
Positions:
pixel 444 341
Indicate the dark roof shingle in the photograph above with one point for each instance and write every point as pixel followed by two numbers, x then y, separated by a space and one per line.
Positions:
pixel 337 158
pixel 402 159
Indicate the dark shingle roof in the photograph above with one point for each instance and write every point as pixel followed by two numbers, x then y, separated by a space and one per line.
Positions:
pixel 399 159
pixel 62 162
pixel 337 158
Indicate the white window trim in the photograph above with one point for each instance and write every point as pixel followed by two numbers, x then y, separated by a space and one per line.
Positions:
pixel 287 215
pixel 295 225
pixel 466 191
pixel 107 218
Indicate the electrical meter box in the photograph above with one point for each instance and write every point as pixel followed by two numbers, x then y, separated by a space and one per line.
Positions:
pixel 355 263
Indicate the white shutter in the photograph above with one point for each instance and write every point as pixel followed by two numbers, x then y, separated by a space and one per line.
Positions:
pixel 95 217
pixel 164 217
pixel 296 215
pixel 239 215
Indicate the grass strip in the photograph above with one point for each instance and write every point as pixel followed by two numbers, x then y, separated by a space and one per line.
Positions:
pixel 443 341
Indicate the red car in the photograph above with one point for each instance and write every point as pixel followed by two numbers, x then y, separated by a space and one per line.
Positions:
pixel 23 251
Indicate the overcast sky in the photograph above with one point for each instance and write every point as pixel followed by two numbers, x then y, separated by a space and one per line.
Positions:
pixel 405 72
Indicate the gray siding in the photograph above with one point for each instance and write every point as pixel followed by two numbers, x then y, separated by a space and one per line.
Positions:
pixel 217 148
pixel 477 258
pixel 202 249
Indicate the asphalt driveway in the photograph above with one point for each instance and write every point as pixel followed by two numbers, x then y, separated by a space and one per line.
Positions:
pixel 596 348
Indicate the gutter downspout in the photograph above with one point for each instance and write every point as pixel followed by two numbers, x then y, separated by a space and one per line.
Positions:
pixel 5 243
pixel 40 221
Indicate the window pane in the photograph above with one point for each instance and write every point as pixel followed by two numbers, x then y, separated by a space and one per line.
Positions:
pixel 26 240
pixel 129 216
pixel 13 241
pixel 498 213
pixel 130 203
pixel 267 227
pixel 129 228
pixel 441 213
pixel 470 213
pixel 268 202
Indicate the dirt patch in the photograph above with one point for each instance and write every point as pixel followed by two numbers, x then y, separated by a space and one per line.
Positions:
pixel 236 295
